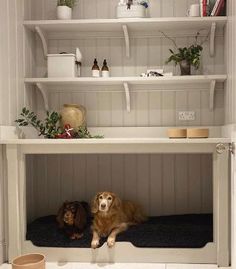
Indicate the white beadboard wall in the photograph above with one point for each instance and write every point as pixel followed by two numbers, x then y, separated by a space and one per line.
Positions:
pixel 164 184
pixel 12 68
pixel 15 63
pixel 2 211
pixel 230 98
pixel 148 108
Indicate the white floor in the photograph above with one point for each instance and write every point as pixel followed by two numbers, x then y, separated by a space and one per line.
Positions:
pixel 122 266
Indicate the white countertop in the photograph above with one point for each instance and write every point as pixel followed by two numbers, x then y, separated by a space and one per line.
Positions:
pixel 107 141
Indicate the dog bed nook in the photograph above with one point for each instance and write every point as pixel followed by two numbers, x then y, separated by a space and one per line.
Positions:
pixel 187 193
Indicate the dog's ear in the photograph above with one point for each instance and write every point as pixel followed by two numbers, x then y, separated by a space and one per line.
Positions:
pixel 94 203
pixel 60 215
pixel 116 201
pixel 81 217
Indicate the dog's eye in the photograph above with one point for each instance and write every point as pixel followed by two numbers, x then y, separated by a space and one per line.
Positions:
pixel 109 198
pixel 100 197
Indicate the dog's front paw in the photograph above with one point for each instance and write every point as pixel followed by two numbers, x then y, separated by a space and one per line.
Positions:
pixel 111 242
pixel 95 244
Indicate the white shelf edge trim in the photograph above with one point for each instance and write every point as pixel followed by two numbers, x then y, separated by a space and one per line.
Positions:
pixel 131 80
pixel 127 40
pixel 43 39
pixel 43 91
pixel 212 95
pixel 127 96
pixel 212 39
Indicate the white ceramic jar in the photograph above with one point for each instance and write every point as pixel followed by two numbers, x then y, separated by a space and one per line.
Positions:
pixel 64 13
pixel 61 65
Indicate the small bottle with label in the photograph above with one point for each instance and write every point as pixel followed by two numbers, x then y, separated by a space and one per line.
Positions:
pixel 105 70
pixel 95 69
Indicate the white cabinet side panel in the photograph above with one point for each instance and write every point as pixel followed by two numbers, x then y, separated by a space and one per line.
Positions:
pixel 2 210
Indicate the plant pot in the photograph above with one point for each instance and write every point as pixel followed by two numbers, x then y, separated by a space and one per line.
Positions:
pixel 74 115
pixel 64 13
pixel 185 68
pixel 135 11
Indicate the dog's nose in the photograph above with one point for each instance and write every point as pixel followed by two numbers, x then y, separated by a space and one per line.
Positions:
pixel 103 206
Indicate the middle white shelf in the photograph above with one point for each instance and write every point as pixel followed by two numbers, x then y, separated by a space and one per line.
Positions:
pixel 44 84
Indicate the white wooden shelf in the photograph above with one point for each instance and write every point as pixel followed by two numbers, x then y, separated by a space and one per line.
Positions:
pixel 111 81
pixel 146 26
pixel 44 84
pixel 134 25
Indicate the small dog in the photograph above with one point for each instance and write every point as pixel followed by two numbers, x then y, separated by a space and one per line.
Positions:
pixel 73 218
pixel 112 216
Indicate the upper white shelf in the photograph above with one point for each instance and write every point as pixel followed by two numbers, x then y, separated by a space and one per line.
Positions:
pixel 134 24
pixel 130 80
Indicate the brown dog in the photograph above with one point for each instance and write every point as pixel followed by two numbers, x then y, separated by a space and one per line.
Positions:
pixel 72 217
pixel 112 216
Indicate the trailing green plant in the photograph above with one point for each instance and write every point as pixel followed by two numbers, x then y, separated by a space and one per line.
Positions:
pixel 68 3
pixel 190 54
pixel 50 126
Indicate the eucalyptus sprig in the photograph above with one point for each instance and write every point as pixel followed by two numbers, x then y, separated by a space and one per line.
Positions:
pixel 49 128
pixel 68 3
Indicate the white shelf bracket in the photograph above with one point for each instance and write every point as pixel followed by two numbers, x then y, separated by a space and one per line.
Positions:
pixel 212 94
pixel 43 91
pixel 43 39
pixel 212 39
pixel 127 40
pixel 127 96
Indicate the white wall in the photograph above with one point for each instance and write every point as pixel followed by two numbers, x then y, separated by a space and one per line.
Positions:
pixel 2 212
pixel 163 184
pixel 12 67
pixel 148 109
pixel 230 99
pixel 230 105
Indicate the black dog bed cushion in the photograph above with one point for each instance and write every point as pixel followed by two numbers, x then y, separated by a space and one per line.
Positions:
pixel 186 231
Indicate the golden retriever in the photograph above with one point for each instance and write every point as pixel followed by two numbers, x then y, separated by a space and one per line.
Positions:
pixel 112 216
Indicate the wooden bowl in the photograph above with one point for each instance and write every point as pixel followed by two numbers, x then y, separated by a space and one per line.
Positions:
pixel 29 261
pixel 197 133
pixel 177 133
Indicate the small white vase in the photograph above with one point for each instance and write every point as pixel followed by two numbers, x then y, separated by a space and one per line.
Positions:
pixel 64 13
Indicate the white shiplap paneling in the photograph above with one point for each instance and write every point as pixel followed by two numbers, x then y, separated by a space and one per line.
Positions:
pixel 108 109
pixel 230 98
pixel 163 184
pixel 12 68
pixel 13 59
pixel 2 211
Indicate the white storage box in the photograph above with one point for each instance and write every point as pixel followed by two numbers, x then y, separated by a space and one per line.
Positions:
pixel 61 65
pixel 135 11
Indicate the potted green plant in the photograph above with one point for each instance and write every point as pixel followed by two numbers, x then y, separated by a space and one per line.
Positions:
pixel 187 56
pixel 64 9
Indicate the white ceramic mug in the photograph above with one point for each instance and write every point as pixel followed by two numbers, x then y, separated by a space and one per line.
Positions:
pixel 194 11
